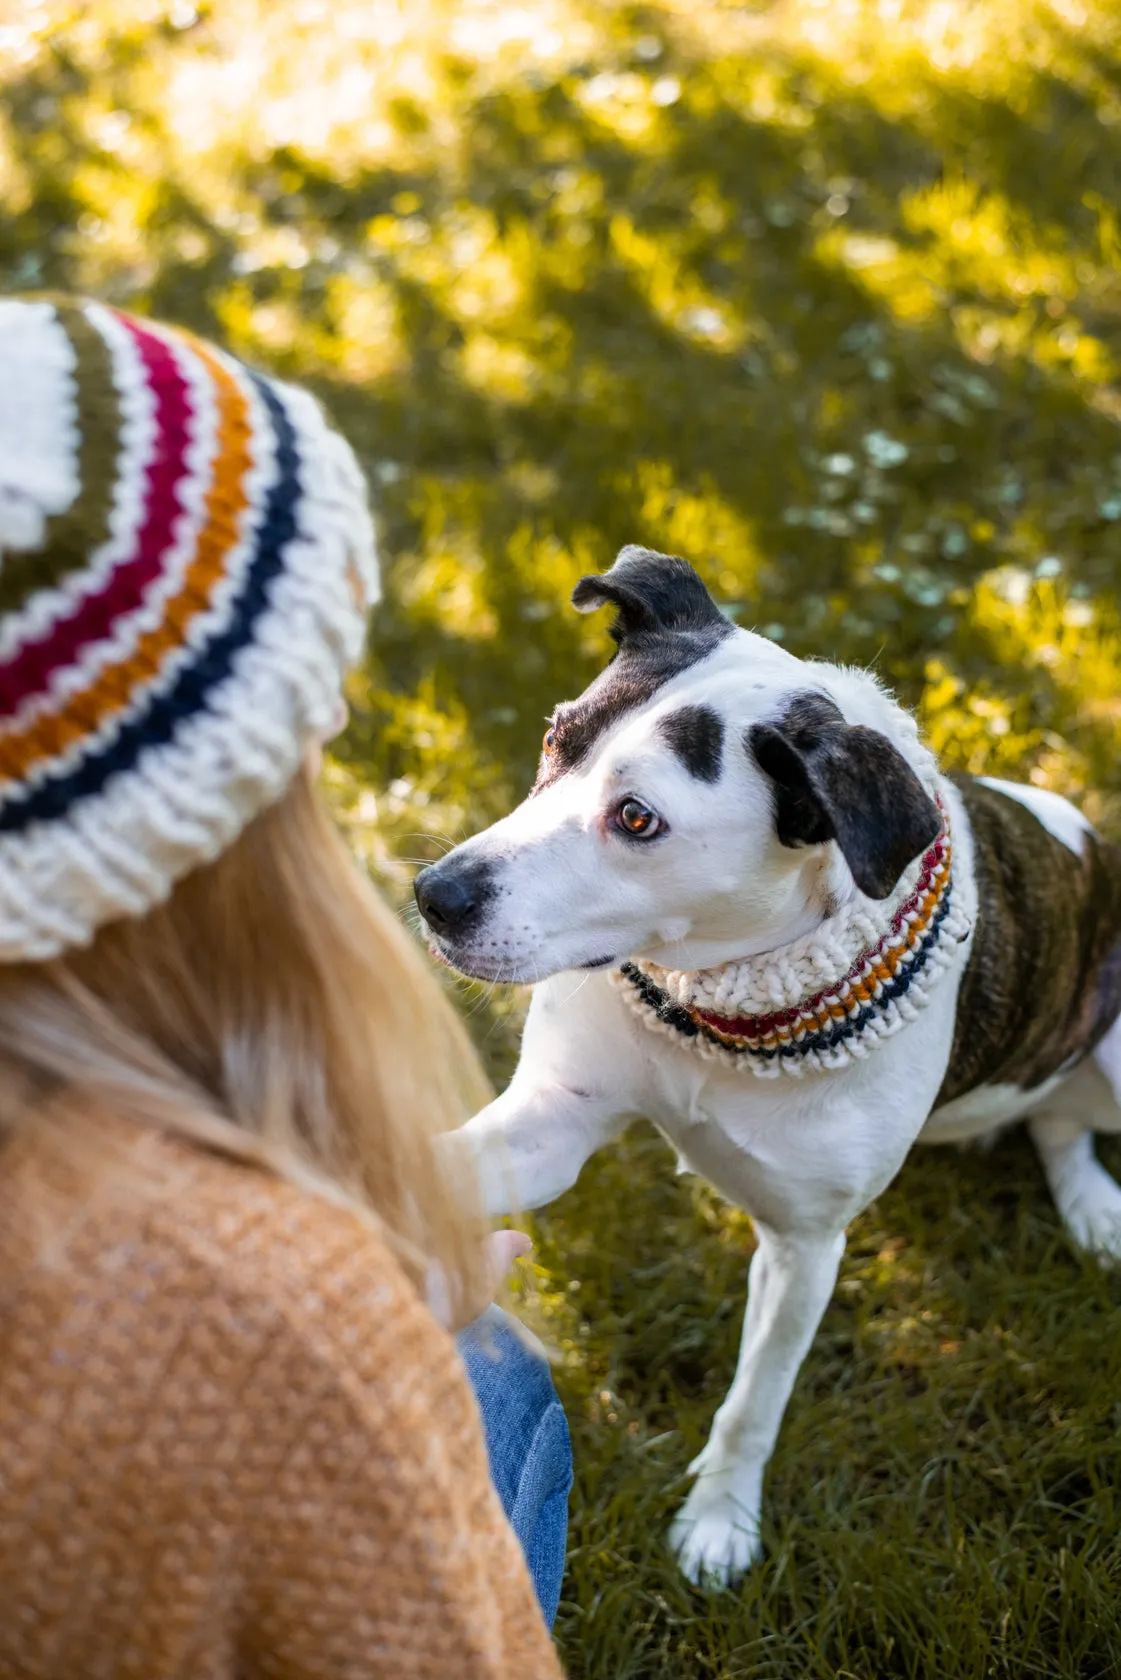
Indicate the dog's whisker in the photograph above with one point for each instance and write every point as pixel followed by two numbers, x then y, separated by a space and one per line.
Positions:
pixel 436 836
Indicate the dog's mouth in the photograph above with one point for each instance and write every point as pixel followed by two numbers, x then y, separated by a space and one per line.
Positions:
pixel 506 974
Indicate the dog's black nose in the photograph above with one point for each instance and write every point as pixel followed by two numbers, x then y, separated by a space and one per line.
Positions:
pixel 450 898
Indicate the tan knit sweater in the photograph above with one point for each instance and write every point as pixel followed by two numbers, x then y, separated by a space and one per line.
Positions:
pixel 233 1443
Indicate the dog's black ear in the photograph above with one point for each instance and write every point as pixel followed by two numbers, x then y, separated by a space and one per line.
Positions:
pixel 840 781
pixel 651 592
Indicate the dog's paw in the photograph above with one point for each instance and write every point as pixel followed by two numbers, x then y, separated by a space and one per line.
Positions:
pixel 1092 1212
pixel 467 1165
pixel 715 1537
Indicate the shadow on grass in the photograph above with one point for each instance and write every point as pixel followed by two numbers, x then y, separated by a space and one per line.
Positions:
pixel 944 1495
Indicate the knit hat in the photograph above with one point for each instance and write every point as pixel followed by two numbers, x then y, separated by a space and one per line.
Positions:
pixel 186 565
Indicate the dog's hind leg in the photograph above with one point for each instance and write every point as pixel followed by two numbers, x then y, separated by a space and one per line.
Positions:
pixel 1087 1196
pixel 716 1533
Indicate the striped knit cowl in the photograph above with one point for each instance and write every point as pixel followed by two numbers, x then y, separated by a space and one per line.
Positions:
pixel 826 1000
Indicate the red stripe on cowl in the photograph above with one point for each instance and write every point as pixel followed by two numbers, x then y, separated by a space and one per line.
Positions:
pixel 758 1026
pixel 29 671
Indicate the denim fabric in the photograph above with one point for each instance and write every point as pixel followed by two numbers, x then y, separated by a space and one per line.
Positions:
pixel 527 1443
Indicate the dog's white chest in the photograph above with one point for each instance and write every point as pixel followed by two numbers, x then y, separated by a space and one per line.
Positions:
pixel 705 1147
pixel 730 1164
pixel 800 1149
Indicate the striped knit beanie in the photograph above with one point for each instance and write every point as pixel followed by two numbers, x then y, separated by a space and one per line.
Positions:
pixel 186 564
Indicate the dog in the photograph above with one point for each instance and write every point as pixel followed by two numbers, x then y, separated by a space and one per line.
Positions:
pixel 754 911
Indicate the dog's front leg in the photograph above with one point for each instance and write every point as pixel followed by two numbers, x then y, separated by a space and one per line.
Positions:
pixel 528 1146
pixel 576 1086
pixel 790 1281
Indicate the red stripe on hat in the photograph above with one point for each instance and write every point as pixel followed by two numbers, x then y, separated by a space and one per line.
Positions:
pixel 29 671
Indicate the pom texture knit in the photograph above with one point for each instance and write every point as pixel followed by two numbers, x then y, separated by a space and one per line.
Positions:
pixel 234 1444
pixel 186 564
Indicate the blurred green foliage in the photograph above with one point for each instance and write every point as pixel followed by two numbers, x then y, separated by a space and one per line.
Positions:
pixel 824 295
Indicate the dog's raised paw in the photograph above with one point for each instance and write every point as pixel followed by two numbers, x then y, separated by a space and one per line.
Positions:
pixel 715 1538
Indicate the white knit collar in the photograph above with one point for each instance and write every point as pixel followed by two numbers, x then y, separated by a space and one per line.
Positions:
pixel 824 1000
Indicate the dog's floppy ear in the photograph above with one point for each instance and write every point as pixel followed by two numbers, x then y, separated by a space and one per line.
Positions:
pixel 652 592
pixel 840 781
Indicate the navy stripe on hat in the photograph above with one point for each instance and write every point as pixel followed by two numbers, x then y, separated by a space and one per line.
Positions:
pixel 156 725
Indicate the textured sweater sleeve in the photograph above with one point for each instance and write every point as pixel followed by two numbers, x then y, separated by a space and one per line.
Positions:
pixel 234 1443
pixel 377 1549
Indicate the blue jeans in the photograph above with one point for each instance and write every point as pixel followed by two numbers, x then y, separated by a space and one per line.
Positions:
pixel 527 1444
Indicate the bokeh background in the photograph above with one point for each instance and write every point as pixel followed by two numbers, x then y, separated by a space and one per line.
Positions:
pixel 824 295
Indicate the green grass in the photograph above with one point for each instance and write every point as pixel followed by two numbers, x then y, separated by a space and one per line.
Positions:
pixel 943 1500
pixel 827 298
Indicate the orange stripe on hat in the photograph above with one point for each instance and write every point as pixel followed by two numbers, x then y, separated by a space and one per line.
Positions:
pixel 84 713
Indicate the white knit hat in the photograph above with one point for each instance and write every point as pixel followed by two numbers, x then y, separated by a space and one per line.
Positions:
pixel 186 565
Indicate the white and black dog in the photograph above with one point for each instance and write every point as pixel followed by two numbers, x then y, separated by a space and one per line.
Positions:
pixel 798 946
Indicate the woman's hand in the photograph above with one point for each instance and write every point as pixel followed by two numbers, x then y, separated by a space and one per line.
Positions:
pixel 503 1248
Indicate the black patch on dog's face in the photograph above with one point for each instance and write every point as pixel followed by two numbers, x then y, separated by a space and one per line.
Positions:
pixel 1043 983
pixel 696 735
pixel 840 781
pixel 666 621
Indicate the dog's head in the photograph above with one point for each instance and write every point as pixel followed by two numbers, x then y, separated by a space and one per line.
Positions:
pixel 709 796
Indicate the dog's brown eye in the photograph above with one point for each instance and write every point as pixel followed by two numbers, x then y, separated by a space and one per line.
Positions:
pixel 638 819
pixel 549 742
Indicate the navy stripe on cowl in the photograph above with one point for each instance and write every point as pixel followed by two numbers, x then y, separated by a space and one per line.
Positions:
pixel 675 1015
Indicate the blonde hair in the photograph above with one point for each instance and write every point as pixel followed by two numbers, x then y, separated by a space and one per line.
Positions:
pixel 272 1008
